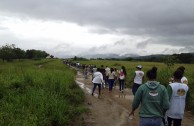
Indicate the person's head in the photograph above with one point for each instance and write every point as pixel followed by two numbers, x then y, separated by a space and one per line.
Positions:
pixel 98 69
pixel 111 69
pixel 178 74
pixel 139 67
pixel 122 67
pixel 152 74
pixel 181 68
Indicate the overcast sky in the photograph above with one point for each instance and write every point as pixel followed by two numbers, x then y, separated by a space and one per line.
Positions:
pixel 79 27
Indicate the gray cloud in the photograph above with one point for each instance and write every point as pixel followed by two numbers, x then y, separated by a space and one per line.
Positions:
pixel 143 44
pixel 121 42
pixel 181 50
pixel 164 22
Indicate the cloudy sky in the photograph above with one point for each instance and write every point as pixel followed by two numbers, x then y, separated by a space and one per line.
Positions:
pixel 81 27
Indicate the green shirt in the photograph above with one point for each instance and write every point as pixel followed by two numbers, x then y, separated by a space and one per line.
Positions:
pixel 153 98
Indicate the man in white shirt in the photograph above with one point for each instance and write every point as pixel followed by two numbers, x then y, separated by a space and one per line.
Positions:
pixel 177 94
pixel 97 81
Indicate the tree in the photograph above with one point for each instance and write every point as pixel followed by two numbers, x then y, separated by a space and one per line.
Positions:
pixel 51 56
pixel 185 57
pixel 19 53
pixel 7 52
pixel 170 61
pixel 75 57
pixel 36 54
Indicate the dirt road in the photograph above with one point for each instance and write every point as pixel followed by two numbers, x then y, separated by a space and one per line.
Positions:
pixel 111 109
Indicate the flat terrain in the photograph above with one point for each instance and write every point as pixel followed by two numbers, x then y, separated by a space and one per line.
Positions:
pixel 111 109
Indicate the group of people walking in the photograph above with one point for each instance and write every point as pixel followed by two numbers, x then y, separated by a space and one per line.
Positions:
pixel 159 104
pixel 108 77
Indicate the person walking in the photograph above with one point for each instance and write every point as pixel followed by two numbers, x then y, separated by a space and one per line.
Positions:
pixel 154 101
pixel 107 72
pixel 116 77
pixel 97 81
pixel 177 94
pixel 111 79
pixel 122 77
pixel 138 79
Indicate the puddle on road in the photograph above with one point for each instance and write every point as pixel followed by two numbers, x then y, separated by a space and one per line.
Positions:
pixel 88 90
pixel 79 73
pixel 124 96
pixel 80 79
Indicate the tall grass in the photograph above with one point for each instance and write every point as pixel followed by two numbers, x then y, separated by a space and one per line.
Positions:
pixel 38 93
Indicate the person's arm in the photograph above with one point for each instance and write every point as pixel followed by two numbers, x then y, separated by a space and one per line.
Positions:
pixel 134 76
pixel 143 79
pixel 137 100
pixel 166 99
pixel 101 77
pixel 188 96
pixel 169 90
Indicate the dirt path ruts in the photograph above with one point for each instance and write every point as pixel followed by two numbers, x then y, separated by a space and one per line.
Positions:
pixel 111 109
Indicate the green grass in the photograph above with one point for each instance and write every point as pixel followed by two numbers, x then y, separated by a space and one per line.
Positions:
pixel 34 95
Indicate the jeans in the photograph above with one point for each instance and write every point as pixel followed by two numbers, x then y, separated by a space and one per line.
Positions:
pixel 135 87
pixel 121 84
pixel 94 88
pixel 111 83
pixel 150 121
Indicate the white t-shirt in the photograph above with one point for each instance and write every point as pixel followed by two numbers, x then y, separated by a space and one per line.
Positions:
pixel 107 70
pixel 97 77
pixel 138 77
pixel 111 75
pixel 177 101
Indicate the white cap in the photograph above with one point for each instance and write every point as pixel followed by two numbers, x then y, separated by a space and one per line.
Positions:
pixel 139 66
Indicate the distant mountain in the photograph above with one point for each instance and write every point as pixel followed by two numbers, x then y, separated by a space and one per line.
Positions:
pixel 152 56
pixel 109 56
pixel 123 56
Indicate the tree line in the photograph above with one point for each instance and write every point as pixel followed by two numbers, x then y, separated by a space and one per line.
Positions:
pixel 186 58
pixel 11 52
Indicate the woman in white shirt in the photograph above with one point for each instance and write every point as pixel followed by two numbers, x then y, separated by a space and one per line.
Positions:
pixel 138 79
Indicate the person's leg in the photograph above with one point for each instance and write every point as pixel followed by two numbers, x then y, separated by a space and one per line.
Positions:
pixel 169 121
pixel 177 122
pixel 111 84
pixel 119 84
pixel 99 89
pixel 94 88
pixel 134 88
pixel 123 85
pixel 107 81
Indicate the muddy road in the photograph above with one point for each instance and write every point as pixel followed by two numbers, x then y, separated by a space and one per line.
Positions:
pixel 111 109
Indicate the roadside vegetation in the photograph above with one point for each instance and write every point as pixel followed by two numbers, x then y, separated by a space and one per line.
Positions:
pixel 38 93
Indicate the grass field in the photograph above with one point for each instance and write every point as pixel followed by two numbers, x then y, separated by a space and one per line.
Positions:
pixel 163 75
pixel 38 93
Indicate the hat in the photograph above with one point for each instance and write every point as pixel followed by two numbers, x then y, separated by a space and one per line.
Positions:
pixel 139 66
